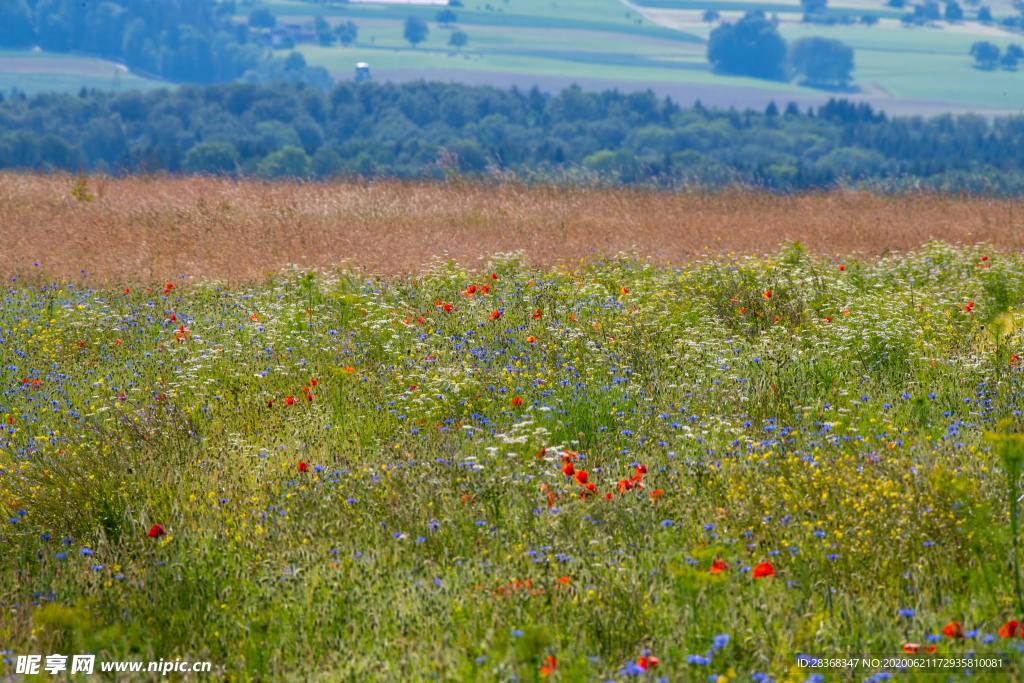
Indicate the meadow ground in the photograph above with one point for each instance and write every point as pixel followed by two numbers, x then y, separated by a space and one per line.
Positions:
pixel 620 468
pixel 33 72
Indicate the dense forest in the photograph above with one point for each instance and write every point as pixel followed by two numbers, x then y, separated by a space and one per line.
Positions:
pixel 430 130
pixel 186 41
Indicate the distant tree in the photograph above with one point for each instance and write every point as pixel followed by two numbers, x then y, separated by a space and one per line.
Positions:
pixel 750 47
pixel 326 163
pixel 295 61
pixel 869 19
pixel 324 34
pixel 15 24
pixel 347 33
pixel 822 62
pixel 446 17
pixel 287 162
pixel 262 18
pixel 928 11
pixel 814 9
pixel 1009 62
pixel 985 15
pixel 458 39
pixel 56 153
pixel 711 16
pixel 416 31
pixel 898 4
pixel 771 110
pixel 986 55
pixel 1015 51
pixel 954 12
pixel 215 157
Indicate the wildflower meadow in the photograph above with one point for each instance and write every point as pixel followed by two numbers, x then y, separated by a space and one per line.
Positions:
pixel 615 470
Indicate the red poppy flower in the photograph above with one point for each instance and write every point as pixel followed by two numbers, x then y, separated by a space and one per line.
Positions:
pixel 536 314
pixel 719 565
pixel 657 493
pixel 842 267
pixel 648 662
pixel 767 294
pixel 495 314
pixel 568 469
pixel 624 485
pixel 930 649
pixel 550 664
pixel 303 466
pixel 517 401
pixel 624 290
pixel 581 477
pixel 313 382
pixel 174 318
pixel 470 291
pixel 762 570
pixel 641 469
pixel 168 287
pixel 608 496
pixel 531 339
pixel 953 629
pixel 485 289
pixel 270 403
pixel 289 400
pixel 911 648
pixel 1009 629
pixel 155 531
pixel 494 276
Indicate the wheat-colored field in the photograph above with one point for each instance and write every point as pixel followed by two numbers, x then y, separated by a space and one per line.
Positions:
pixel 143 229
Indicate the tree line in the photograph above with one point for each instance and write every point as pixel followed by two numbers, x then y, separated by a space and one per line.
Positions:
pixel 185 41
pixel 429 130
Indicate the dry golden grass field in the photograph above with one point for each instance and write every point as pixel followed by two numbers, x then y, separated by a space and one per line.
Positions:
pixel 150 228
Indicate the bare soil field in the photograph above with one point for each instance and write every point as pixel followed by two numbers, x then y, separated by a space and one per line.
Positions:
pixel 145 229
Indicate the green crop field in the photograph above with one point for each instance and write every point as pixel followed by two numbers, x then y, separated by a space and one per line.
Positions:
pixel 32 72
pixel 660 44
pixel 616 471
pixel 602 44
